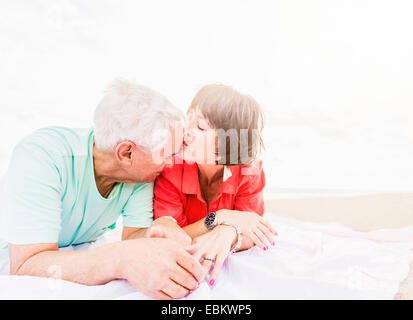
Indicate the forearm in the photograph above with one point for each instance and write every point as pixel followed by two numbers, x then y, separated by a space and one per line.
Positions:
pixel 140 233
pixel 89 267
pixel 196 229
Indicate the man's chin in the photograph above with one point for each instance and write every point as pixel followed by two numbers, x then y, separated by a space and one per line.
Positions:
pixel 142 180
pixel 152 178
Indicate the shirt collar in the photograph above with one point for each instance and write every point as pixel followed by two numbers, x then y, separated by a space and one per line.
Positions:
pixel 190 179
pixel 227 174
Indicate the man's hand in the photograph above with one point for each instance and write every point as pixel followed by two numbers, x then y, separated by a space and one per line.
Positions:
pixel 160 268
pixel 166 228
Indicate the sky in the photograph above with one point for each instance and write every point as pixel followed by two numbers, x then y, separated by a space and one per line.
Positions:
pixel 335 78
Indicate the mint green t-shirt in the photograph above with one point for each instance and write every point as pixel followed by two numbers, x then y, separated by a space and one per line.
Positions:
pixel 50 195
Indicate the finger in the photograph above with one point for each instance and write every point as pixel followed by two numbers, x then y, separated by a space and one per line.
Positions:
pixel 185 240
pixel 269 226
pixel 217 268
pixel 256 240
pixel 191 265
pixel 263 238
pixel 175 290
pixel 247 242
pixel 201 251
pixel 199 255
pixel 206 265
pixel 192 249
pixel 162 296
pixel 184 279
pixel 267 233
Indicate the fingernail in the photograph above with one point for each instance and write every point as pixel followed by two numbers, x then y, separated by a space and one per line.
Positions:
pixel 211 282
pixel 265 248
pixel 273 244
pixel 276 233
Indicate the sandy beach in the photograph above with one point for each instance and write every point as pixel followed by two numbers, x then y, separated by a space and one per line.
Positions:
pixel 361 212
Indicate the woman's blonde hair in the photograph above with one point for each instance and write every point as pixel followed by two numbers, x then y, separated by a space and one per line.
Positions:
pixel 235 116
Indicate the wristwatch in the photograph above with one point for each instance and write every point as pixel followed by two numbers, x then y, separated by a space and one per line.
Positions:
pixel 211 220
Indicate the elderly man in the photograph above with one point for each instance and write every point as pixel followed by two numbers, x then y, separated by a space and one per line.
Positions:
pixel 69 186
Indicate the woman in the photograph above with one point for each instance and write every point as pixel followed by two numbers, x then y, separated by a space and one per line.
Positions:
pixel 216 194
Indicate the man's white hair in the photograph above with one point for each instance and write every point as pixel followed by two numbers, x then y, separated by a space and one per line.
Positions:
pixel 136 113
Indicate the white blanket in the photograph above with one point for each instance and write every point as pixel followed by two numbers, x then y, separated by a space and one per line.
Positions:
pixel 309 261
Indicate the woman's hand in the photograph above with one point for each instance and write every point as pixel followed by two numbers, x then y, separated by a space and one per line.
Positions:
pixel 215 244
pixel 251 225
pixel 166 228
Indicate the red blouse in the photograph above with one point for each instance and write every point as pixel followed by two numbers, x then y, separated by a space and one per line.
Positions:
pixel 177 192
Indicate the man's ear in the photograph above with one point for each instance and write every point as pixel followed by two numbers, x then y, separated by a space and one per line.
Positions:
pixel 124 151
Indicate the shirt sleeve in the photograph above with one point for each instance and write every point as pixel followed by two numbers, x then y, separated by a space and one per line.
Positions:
pixel 167 201
pixel 250 193
pixel 138 210
pixel 31 207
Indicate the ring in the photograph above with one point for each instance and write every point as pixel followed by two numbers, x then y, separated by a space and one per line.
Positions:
pixel 209 258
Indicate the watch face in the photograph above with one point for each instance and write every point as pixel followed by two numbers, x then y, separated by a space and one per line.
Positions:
pixel 210 220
